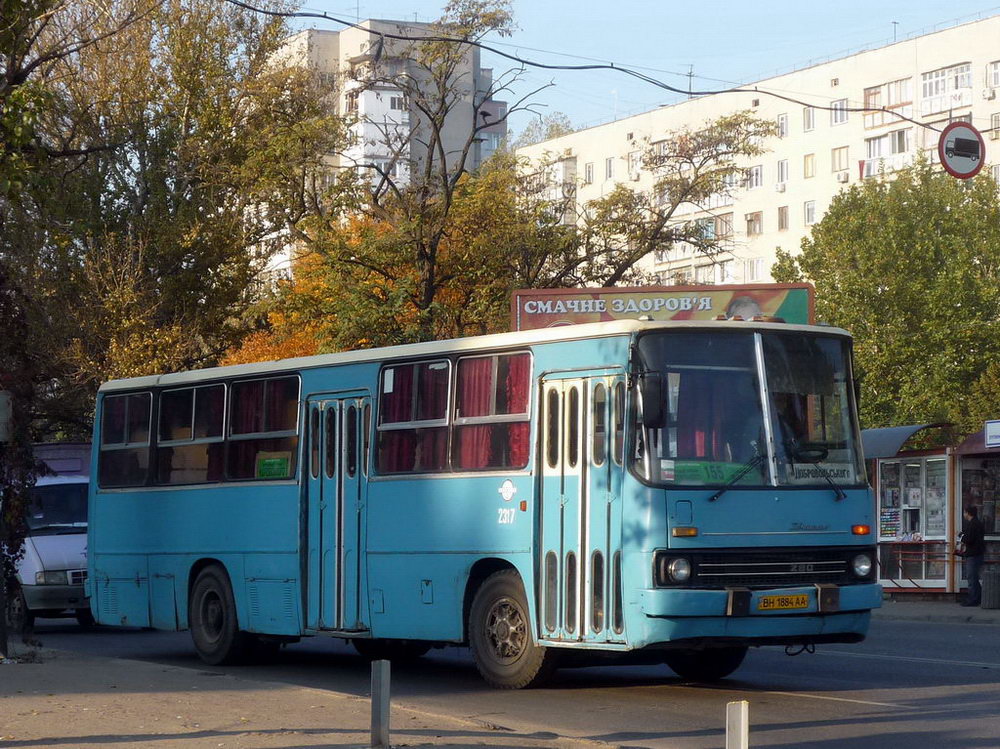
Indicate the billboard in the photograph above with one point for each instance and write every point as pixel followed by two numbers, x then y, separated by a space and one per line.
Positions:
pixel 546 308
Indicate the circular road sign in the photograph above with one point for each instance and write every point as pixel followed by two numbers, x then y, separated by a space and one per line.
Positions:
pixel 962 150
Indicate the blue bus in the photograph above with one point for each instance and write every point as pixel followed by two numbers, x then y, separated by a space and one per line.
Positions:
pixel 638 491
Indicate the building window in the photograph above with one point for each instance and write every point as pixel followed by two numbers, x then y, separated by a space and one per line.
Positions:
pixel 838 112
pixel 838 159
pixel 894 98
pixel 724 226
pixel 634 164
pixel 782 122
pixel 809 212
pixel 995 173
pixel 782 171
pixel 782 218
pixel 809 165
pixel 993 74
pixel 889 144
pixel 946 88
pixel 753 269
pixel 755 223
pixel 899 141
pixel 397 103
pixel 755 177
pixel 588 173
pixel 609 168
pixel 808 119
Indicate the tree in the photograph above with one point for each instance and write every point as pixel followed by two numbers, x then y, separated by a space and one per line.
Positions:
pixel 393 258
pixel 187 147
pixel 909 264
pixel 544 127
pixel 498 237
pixel 690 168
pixel 19 377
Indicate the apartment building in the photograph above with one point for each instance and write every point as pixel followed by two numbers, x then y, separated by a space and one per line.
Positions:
pixel 388 135
pixel 946 76
pixel 388 131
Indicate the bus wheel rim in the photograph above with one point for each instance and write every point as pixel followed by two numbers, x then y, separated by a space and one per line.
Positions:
pixel 506 631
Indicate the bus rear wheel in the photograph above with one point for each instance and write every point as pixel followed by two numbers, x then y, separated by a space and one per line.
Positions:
pixel 710 664
pixel 500 635
pixel 214 626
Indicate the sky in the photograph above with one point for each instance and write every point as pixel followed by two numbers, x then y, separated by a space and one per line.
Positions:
pixel 720 42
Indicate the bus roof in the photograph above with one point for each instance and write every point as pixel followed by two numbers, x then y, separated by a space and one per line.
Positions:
pixel 457 345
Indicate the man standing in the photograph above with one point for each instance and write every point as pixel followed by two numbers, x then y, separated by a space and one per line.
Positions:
pixel 973 552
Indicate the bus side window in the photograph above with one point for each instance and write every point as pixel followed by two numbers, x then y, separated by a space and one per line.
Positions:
pixel 413 418
pixel 600 406
pixel 190 436
pixel 125 431
pixel 263 436
pixel 491 427
pixel 618 419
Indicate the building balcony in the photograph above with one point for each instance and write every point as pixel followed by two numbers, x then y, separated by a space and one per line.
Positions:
pixel 885 164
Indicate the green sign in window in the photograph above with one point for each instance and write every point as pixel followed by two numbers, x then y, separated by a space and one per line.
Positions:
pixel 273 465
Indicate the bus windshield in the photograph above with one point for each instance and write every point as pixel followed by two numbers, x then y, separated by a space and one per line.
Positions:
pixel 58 508
pixel 751 409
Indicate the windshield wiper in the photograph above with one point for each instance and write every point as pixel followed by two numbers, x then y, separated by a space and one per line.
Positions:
pixel 814 455
pixel 755 461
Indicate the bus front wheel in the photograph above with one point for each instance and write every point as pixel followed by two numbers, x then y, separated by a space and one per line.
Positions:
pixel 214 626
pixel 500 635
pixel 710 664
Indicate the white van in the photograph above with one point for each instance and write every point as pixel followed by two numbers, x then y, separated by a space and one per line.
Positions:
pixel 54 566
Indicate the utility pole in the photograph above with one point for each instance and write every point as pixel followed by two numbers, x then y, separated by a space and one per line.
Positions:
pixel 894 25
pixel 690 79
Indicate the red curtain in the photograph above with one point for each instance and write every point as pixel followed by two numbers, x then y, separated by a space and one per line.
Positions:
pixel 397 447
pixel 700 411
pixel 518 387
pixel 432 403
pixel 475 389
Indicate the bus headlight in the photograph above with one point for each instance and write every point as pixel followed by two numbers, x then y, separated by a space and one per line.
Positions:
pixel 861 565
pixel 673 570
pixel 52 577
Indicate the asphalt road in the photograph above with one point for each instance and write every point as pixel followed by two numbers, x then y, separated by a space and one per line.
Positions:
pixel 918 685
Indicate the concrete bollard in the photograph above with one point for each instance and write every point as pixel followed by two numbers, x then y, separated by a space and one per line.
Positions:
pixel 738 725
pixel 380 704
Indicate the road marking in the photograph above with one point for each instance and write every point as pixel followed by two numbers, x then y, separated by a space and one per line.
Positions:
pixel 910 659
pixel 841 699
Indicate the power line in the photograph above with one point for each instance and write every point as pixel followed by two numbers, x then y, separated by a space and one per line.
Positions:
pixel 592 66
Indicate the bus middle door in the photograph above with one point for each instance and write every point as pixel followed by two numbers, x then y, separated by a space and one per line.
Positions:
pixel 336 488
pixel 563 527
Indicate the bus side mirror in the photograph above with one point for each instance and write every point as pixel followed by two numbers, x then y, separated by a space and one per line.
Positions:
pixel 857 394
pixel 651 391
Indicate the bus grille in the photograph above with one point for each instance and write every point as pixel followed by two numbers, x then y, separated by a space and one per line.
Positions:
pixel 773 568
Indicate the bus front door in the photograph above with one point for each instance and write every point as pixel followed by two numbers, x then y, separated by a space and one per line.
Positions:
pixel 580 508
pixel 335 508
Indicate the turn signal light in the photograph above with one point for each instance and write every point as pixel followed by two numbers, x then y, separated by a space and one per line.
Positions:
pixel 861 530
pixel 682 532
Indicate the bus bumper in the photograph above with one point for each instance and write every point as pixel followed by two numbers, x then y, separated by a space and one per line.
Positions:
pixel 829 615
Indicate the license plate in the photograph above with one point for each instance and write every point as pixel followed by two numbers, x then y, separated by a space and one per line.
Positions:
pixel 782 603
